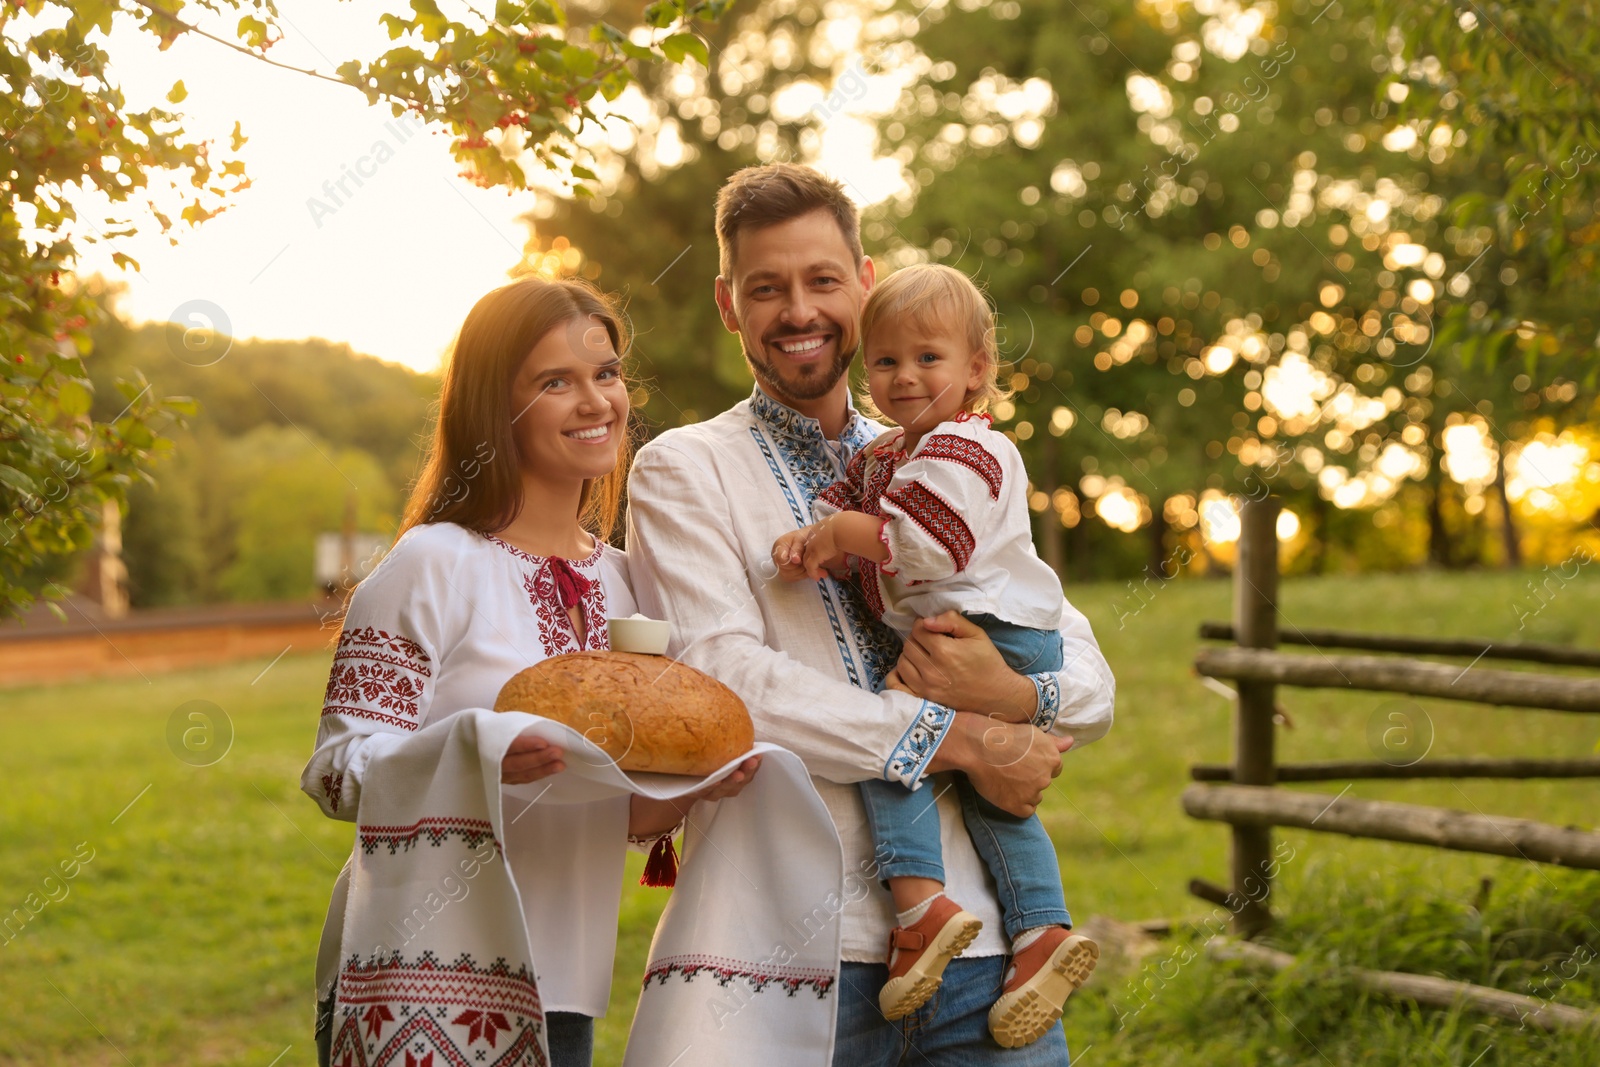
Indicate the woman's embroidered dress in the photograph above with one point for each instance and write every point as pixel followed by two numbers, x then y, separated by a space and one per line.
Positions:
pixel 448 616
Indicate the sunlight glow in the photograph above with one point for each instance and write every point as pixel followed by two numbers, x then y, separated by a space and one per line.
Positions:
pixel 1539 471
pixel 1122 508
pixel 1219 518
pixel 1469 454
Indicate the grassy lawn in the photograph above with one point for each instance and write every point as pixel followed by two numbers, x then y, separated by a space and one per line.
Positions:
pixel 188 936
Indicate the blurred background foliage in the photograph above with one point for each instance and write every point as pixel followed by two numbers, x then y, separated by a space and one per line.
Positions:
pixel 1342 252
pixel 282 442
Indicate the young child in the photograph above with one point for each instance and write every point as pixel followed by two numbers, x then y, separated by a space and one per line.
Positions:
pixel 935 512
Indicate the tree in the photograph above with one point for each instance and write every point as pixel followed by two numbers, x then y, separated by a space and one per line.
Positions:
pixel 181 535
pixel 648 233
pixel 273 546
pixel 1313 228
pixel 1219 267
pixel 515 88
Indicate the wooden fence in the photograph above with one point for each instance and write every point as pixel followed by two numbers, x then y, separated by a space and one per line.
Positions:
pixel 1250 802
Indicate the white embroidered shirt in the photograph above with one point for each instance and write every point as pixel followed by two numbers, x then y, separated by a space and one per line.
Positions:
pixel 706 502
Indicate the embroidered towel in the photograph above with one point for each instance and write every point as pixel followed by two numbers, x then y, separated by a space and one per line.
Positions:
pixel 426 929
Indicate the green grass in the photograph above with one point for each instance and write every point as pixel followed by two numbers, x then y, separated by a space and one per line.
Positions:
pixel 189 937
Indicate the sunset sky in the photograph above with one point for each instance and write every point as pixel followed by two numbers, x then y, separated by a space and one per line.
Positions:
pixel 391 269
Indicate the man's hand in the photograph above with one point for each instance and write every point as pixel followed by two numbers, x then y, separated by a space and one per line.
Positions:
pixel 1009 764
pixel 950 660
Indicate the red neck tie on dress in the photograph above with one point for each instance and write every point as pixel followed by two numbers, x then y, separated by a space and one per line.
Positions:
pixel 570 585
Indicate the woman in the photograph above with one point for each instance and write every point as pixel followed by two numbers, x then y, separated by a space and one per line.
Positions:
pixel 501 562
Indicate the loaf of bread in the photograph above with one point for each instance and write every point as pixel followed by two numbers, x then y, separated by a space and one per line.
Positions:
pixel 648 713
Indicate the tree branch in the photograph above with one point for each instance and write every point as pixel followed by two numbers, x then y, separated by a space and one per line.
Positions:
pixel 241 49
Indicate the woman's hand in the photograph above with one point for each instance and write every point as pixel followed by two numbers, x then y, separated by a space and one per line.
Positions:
pixel 530 759
pixel 649 817
pixel 949 660
pixel 732 785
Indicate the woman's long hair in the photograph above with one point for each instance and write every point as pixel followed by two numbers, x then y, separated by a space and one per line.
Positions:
pixel 473 475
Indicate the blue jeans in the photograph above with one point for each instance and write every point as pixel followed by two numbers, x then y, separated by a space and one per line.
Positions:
pixel 1018 852
pixel 951 1030
pixel 1025 650
pixel 569 1034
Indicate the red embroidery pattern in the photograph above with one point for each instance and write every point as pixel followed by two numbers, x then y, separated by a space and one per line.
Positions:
pixel 969 454
pixel 434 828
pixel 377 675
pixel 838 495
pixel 924 507
pixel 844 493
pixel 878 476
pixel 333 787
pixel 723 971
pixel 871 590
pixel 393 1012
pixel 556 632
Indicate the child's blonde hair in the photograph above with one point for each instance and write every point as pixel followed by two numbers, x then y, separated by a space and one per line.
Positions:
pixel 935 297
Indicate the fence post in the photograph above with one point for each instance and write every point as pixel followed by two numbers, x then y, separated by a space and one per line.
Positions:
pixel 1255 621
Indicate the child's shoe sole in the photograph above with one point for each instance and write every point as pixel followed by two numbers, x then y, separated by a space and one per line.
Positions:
pixel 903 995
pixel 1025 1014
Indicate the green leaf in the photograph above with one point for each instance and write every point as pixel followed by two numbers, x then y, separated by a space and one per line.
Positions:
pixel 637 51
pixel 430 20
pixel 580 61
pixel 94 14
pixel 177 94
pixel 660 14
pixel 74 398
pixel 19 481
pixel 252 31
pixel 680 46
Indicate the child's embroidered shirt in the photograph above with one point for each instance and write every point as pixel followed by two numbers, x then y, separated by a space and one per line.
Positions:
pixel 956 524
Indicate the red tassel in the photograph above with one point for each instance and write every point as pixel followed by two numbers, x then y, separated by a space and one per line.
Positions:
pixel 661 869
pixel 570 585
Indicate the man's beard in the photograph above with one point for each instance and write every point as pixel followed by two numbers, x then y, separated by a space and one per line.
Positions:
pixel 811 382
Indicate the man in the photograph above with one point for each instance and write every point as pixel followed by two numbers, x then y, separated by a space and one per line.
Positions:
pixel 705 505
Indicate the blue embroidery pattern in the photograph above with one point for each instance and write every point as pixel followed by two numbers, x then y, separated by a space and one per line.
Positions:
pixel 801 518
pixel 1049 687
pixel 806 458
pixel 916 745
